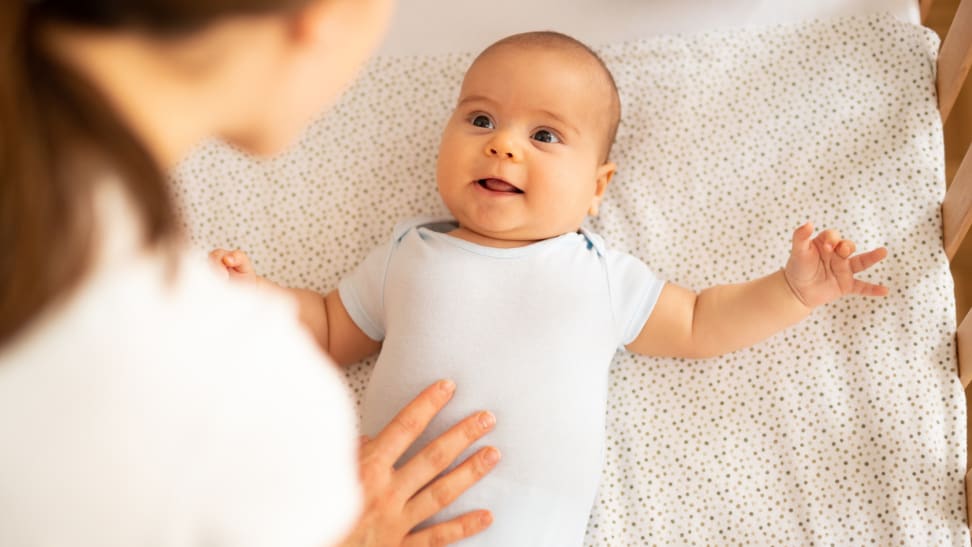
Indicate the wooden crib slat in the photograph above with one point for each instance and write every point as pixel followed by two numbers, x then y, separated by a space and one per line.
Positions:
pixel 957 207
pixel 925 6
pixel 955 58
pixel 968 497
pixel 964 337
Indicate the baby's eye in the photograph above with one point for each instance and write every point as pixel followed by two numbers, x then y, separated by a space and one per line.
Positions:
pixel 544 135
pixel 482 121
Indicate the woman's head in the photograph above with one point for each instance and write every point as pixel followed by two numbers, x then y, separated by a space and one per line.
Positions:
pixel 252 72
pixel 89 87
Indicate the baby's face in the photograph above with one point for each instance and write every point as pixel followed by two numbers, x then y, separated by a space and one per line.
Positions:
pixel 521 156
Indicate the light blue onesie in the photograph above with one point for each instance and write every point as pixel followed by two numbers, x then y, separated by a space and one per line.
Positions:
pixel 527 333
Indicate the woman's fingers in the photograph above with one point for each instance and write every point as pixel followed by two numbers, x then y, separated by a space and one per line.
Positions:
pixel 392 507
pixel 443 451
pixel 447 533
pixel 406 427
pixel 447 488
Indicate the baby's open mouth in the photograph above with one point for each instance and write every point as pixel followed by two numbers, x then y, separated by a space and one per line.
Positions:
pixel 498 185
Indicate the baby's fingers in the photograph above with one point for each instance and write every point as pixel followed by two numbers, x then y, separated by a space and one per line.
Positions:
pixel 216 261
pixel 840 266
pixel 845 248
pixel 825 250
pixel 801 238
pixel 238 261
pixel 216 255
pixel 231 258
pixel 864 288
pixel 864 261
pixel 828 239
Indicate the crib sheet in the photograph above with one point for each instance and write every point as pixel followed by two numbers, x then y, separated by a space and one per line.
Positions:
pixel 846 429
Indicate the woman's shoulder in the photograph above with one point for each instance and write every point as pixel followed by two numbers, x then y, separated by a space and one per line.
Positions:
pixel 174 307
pixel 160 306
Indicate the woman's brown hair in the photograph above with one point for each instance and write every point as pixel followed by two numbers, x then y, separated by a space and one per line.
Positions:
pixel 58 137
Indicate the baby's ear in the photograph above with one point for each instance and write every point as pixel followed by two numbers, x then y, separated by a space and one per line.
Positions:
pixel 603 177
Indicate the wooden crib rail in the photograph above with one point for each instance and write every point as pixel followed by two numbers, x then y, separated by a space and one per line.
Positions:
pixel 954 60
pixel 964 338
pixel 957 207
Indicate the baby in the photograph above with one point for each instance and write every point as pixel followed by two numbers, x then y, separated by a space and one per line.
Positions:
pixel 522 307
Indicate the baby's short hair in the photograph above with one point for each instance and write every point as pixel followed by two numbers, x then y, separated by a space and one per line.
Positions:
pixel 557 40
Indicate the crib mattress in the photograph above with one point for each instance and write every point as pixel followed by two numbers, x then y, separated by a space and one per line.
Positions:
pixel 848 428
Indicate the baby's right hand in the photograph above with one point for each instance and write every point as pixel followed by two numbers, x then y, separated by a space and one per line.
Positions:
pixel 235 263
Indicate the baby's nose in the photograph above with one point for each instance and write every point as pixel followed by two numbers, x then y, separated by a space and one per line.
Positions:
pixel 500 151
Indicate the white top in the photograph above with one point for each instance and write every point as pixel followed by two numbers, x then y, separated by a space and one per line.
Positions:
pixel 527 333
pixel 144 411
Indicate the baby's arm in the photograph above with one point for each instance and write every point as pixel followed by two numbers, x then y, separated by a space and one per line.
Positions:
pixel 346 343
pixel 324 316
pixel 725 318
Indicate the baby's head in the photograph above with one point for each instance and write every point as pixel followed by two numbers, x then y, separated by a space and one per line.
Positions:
pixel 524 156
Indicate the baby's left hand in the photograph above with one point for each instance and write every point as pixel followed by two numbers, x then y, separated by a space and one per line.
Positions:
pixel 822 269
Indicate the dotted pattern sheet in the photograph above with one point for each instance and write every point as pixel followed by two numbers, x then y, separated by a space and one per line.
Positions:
pixel 848 428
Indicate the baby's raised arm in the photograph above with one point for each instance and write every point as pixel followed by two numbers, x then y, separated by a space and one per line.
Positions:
pixel 324 315
pixel 725 318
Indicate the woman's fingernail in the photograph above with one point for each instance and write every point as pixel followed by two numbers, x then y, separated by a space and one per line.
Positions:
pixel 486 518
pixel 487 420
pixel 448 386
pixel 491 456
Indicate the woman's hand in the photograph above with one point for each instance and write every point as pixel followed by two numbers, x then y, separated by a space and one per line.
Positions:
pixel 396 500
pixel 822 269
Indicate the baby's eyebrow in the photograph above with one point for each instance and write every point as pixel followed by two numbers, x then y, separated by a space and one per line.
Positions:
pixel 559 119
pixel 475 99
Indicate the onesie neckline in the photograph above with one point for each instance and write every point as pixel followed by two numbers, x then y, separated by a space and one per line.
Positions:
pixel 435 230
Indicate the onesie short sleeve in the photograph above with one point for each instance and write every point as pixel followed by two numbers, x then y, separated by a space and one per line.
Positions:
pixel 634 291
pixel 362 292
